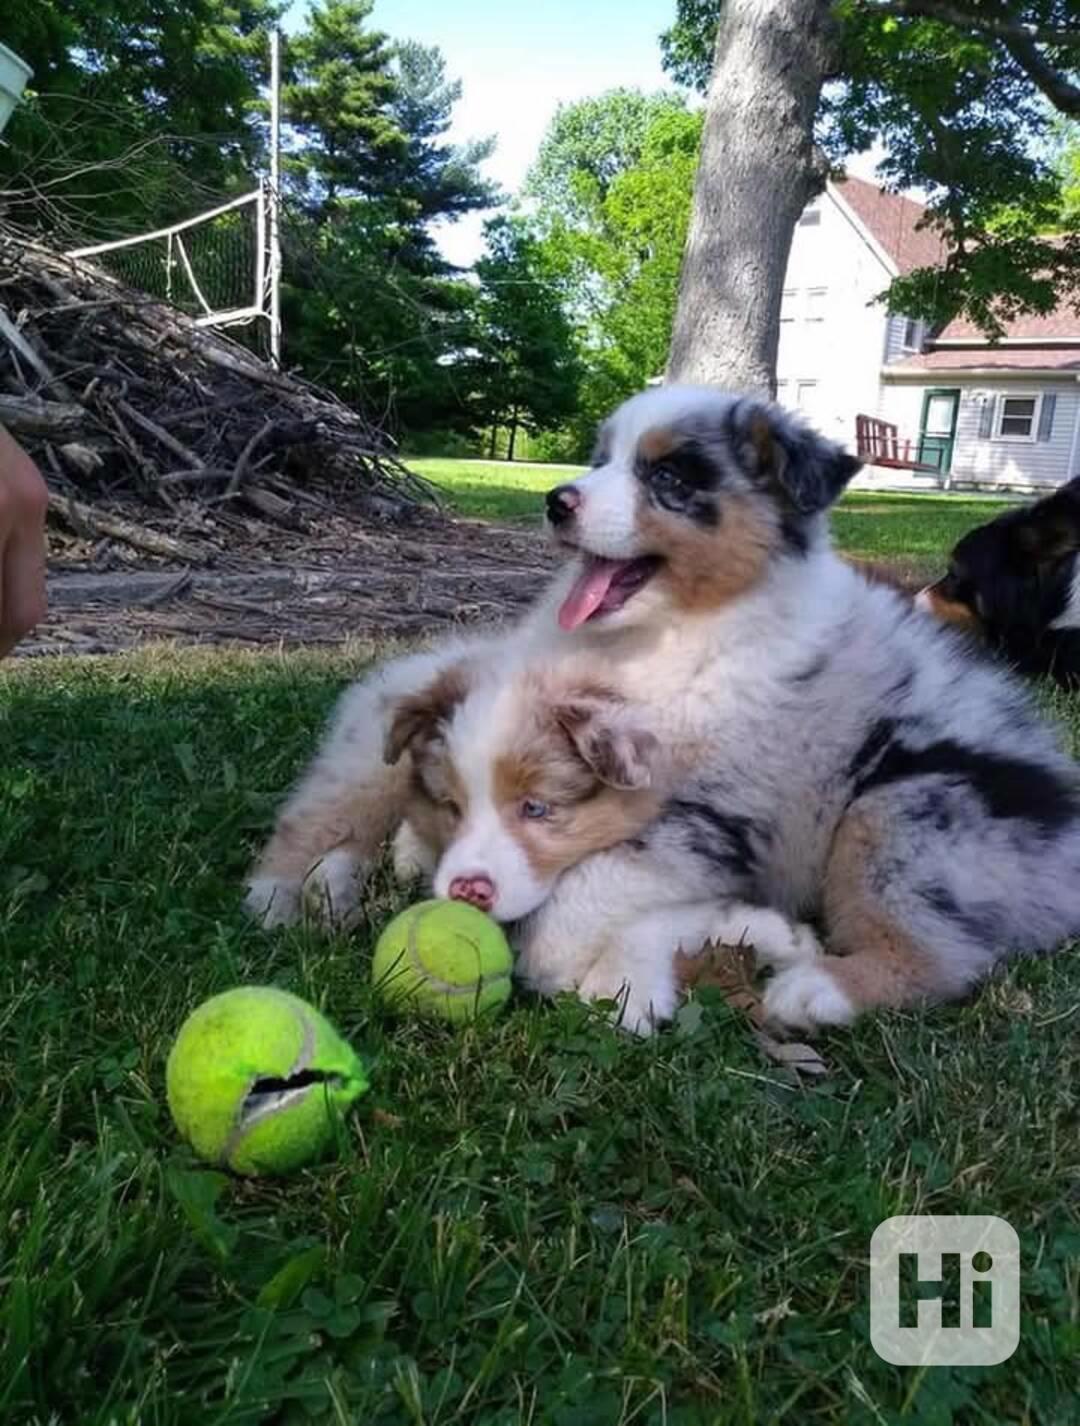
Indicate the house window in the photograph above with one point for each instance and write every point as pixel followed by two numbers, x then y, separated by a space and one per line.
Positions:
pixel 811 218
pixel 1017 418
pixel 787 304
pixel 910 339
pixel 806 395
pixel 815 304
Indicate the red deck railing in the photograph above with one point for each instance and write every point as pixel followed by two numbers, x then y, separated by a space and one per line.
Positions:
pixel 879 443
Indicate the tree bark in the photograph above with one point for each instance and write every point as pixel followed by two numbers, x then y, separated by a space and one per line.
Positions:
pixel 758 169
pixel 513 435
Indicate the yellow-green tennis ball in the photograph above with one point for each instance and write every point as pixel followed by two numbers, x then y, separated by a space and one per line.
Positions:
pixel 257 1078
pixel 443 959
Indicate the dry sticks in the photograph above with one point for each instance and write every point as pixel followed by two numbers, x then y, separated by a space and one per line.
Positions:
pixel 120 397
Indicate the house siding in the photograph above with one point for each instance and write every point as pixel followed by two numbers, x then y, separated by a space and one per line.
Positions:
pixel 894 338
pixel 837 354
pixel 993 462
pixel 830 369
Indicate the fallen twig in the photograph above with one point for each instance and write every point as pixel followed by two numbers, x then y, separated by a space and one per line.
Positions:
pixel 14 337
pixel 48 420
pixel 83 517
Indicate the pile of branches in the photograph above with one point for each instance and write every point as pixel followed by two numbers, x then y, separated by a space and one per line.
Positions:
pixel 124 402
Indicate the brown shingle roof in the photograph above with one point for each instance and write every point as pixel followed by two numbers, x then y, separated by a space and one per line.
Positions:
pixel 1064 321
pixel 893 221
pixel 984 358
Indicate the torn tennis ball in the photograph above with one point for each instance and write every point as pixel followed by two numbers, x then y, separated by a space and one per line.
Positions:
pixel 257 1080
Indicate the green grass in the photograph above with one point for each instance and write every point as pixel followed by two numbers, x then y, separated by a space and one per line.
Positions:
pixel 492 490
pixel 536 1220
pixel 912 531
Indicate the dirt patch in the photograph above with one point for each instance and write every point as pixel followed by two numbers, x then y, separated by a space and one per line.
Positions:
pixel 415 573
pixel 420 572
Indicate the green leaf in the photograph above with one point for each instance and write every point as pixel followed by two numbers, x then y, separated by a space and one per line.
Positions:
pixel 289 1281
pixel 688 1020
pixel 185 756
pixel 197 1192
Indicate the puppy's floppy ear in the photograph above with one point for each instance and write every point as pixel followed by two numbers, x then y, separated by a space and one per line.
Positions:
pixel 418 716
pixel 607 739
pixel 777 450
pixel 1044 541
pixel 1050 529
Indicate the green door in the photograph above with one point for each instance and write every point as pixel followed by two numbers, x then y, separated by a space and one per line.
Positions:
pixel 937 431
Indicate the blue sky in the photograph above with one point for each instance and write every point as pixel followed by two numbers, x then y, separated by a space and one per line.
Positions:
pixel 518 60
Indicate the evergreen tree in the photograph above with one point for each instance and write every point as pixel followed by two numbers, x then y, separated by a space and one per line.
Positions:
pixel 526 374
pixel 339 101
pixel 431 180
pixel 372 307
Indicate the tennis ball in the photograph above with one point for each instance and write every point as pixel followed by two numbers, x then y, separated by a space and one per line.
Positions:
pixel 443 959
pixel 256 1079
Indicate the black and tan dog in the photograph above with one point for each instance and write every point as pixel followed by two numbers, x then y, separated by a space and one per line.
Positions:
pixel 1016 580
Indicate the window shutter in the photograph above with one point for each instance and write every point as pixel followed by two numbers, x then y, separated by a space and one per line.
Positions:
pixel 986 418
pixel 1046 417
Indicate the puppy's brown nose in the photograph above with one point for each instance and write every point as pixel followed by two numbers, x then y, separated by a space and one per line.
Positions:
pixel 478 891
pixel 562 503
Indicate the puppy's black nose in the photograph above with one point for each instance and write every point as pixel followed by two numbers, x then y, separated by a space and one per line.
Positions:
pixel 562 502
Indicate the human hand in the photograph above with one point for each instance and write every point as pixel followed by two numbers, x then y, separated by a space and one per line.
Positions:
pixel 23 502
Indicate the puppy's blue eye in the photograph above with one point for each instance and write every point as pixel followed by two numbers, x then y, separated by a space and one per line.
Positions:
pixel 669 487
pixel 533 810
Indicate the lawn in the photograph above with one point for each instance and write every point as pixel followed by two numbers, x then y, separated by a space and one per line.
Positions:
pixel 492 490
pixel 536 1220
pixel 909 531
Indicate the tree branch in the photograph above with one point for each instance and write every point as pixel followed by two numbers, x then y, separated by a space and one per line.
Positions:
pixel 1022 41
pixel 958 13
pixel 1062 93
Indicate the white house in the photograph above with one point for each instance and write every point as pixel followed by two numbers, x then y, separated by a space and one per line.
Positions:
pixel 980 415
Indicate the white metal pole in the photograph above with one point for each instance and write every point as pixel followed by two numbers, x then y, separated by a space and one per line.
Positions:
pixel 275 197
pixel 259 297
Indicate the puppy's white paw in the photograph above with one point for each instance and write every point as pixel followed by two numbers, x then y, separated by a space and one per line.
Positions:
pixel 411 859
pixel 776 940
pixel 639 1006
pixel 331 890
pixel 545 961
pixel 805 996
pixel 272 902
pixel 546 975
pixel 794 946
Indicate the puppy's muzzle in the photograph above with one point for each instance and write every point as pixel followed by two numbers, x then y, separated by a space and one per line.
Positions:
pixel 563 504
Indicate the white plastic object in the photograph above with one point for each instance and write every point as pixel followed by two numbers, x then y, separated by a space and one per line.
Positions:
pixel 14 73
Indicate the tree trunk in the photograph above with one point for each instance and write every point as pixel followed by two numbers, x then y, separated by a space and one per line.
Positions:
pixel 757 171
pixel 513 434
pixel 494 440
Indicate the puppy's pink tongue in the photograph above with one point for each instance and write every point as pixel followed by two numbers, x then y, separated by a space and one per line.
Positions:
pixel 589 591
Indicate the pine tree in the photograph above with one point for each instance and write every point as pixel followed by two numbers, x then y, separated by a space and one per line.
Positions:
pixel 339 101
pixel 431 180
pixel 373 309
pixel 526 374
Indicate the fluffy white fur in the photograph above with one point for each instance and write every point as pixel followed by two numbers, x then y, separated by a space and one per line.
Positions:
pixel 832 752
